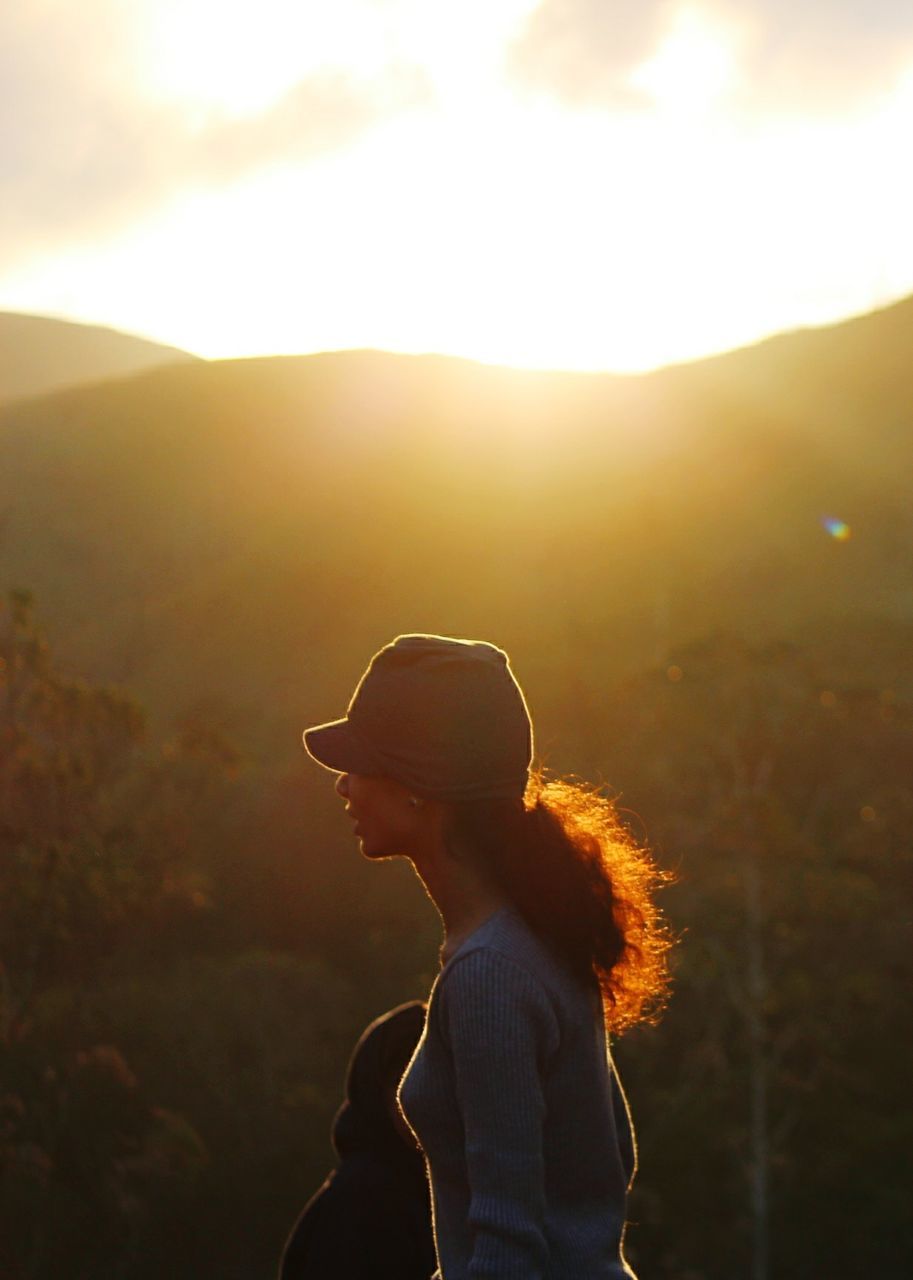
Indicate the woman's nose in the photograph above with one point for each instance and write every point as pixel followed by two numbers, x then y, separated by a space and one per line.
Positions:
pixel 342 785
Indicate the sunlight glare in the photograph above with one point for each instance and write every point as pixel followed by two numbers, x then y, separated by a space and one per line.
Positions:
pixel 226 56
pixel 239 60
pixel 461 47
pixel 693 67
pixel 513 230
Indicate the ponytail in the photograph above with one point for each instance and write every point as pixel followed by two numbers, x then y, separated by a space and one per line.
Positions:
pixel 562 859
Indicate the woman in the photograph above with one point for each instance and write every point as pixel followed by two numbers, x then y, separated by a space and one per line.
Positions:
pixel 551 939
pixel 372 1217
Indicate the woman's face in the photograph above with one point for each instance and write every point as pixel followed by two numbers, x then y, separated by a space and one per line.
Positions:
pixel 387 821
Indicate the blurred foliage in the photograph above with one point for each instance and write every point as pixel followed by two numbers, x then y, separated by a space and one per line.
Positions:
pixel 190 950
pixel 176 1015
pixel 785 807
pixel 95 863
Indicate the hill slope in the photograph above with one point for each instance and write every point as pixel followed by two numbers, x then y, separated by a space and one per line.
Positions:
pixel 38 354
pixel 253 529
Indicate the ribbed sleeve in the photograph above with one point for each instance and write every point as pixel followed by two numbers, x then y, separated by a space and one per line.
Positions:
pixel 501 1031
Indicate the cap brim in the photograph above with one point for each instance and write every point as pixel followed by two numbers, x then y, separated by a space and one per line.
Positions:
pixel 335 747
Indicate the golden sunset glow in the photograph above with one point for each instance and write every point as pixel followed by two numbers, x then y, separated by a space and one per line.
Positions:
pixel 384 175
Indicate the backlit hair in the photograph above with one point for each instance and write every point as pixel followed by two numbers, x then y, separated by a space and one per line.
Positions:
pixel 562 858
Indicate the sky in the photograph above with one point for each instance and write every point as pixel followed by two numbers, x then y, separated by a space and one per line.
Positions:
pixel 582 184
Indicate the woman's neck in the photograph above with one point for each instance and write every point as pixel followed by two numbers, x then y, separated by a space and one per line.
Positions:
pixel 464 899
pixel 456 931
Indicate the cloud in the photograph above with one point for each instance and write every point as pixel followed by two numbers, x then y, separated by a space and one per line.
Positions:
pixel 813 56
pixel 824 55
pixel 583 50
pixel 83 151
pixel 322 112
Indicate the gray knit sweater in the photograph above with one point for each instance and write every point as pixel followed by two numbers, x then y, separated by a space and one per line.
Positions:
pixel 514 1098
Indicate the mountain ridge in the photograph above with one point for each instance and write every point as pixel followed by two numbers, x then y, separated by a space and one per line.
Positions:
pixel 233 528
pixel 43 354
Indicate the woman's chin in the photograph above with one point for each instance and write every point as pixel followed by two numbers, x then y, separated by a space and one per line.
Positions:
pixel 373 852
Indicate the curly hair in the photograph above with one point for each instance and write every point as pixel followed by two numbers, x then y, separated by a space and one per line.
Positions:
pixel 562 858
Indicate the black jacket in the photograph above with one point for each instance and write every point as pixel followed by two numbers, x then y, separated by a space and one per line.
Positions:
pixel 371 1219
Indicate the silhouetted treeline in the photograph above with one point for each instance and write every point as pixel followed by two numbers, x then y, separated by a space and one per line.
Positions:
pixel 190 946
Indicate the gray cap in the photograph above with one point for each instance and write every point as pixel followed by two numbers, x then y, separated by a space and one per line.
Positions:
pixel 445 717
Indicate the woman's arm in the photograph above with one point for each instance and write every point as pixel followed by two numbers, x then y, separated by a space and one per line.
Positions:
pixel 501 1030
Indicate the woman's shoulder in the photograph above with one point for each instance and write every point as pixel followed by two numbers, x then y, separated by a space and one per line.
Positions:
pixel 506 946
pixel 505 934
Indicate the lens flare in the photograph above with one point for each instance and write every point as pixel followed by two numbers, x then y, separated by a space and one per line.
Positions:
pixel 838 529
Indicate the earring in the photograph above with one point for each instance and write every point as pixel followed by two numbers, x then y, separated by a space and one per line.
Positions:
pixel 416 802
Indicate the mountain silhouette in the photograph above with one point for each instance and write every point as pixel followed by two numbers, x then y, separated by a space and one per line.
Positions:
pixel 251 530
pixel 39 354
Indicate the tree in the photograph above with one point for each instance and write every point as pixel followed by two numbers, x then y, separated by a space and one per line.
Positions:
pixel 763 784
pixel 83 1151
